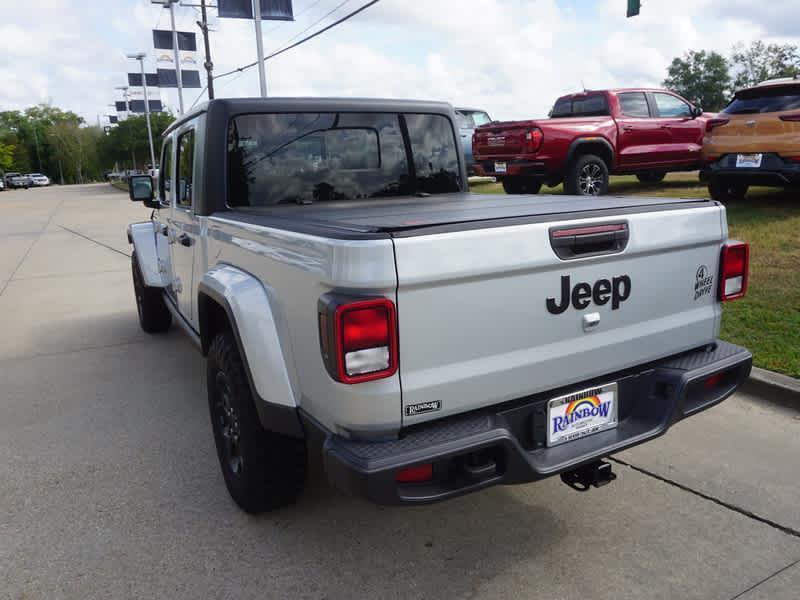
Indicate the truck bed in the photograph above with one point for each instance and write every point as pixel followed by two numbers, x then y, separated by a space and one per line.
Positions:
pixel 402 217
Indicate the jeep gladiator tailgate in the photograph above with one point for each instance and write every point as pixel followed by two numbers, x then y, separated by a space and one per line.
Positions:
pixel 492 314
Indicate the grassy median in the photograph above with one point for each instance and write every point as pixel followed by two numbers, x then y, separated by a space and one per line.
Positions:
pixel 767 321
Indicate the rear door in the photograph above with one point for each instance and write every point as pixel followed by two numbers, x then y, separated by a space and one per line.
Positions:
pixel 685 132
pixel 494 314
pixel 642 137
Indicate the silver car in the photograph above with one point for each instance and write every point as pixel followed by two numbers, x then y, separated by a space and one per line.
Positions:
pixel 468 119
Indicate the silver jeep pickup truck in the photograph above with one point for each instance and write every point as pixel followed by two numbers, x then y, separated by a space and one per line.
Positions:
pixel 357 305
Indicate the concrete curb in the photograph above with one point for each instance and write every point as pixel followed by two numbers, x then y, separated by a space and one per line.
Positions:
pixel 774 386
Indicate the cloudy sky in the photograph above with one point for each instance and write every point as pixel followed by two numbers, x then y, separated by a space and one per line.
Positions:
pixel 512 57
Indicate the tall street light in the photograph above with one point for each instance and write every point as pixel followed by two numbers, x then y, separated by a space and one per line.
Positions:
pixel 175 50
pixel 140 57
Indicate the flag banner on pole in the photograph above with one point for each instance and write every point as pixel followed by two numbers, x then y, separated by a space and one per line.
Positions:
pixel 137 106
pixel 135 79
pixel 153 93
pixel 162 40
pixel 271 10
pixel 113 119
pixel 120 106
pixel 188 58
pixel 169 79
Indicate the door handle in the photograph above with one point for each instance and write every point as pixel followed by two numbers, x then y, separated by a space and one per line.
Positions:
pixel 666 127
pixel 165 231
pixel 185 240
pixel 627 127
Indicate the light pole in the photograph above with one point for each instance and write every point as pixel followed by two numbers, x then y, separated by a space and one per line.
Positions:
pixel 140 57
pixel 175 50
pixel 262 75
pixel 124 89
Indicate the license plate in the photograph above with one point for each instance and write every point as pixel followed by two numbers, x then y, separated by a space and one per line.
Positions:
pixel 583 413
pixel 750 161
pixel 499 167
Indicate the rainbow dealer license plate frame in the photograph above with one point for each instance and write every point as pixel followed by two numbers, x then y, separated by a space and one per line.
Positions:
pixel 576 415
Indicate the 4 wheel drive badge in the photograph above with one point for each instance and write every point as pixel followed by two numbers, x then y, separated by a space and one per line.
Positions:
pixel 703 280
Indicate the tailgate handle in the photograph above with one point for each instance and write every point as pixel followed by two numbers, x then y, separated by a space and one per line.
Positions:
pixel 589 240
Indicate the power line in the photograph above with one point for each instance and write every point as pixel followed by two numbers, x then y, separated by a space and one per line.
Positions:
pixel 302 41
pixel 322 18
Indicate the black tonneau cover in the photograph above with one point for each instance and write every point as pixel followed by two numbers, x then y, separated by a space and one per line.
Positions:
pixel 401 217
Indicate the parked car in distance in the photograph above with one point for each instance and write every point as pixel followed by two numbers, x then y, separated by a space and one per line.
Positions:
pixel 39 180
pixel 2 184
pixel 18 180
pixel 321 253
pixel 590 135
pixel 755 140
pixel 467 120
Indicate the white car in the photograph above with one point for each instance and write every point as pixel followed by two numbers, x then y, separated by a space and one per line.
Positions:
pixel 2 184
pixel 39 180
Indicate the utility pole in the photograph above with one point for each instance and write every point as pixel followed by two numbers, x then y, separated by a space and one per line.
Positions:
pixel 38 154
pixel 262 75
pixel 208 64
pixel 140 57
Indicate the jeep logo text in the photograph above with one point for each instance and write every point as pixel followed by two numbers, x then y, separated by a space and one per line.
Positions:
pixel 617 291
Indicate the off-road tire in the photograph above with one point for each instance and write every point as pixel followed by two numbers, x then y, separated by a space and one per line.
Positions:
pixel 651 176
pixel 154 316
pixel 725 191
pixel 521 185
pixel 587 166
pixel 263 470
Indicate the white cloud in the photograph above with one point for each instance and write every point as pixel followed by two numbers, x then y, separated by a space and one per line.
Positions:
pixel 513 57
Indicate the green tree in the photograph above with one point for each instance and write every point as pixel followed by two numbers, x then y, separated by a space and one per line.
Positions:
pixel 761 61
pixel 127 144
pixel 701 77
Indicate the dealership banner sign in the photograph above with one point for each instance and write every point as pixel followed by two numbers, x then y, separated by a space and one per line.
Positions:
pixel 271 10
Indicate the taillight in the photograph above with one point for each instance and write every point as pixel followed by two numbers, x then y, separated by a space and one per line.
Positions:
pixel 792 117
pixel 793 159
pixel 358 338
pixel 712 123
pixel 533 140
pixel 733 267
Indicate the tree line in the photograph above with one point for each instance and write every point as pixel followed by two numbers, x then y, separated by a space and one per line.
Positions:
pixel 60 144
pixel 710 80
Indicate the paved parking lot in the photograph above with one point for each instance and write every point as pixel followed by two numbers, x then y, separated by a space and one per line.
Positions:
pixel 109 486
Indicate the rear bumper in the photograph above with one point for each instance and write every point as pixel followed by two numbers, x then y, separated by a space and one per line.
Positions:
pixel 514 167
pixel 506 444
pixel 774 171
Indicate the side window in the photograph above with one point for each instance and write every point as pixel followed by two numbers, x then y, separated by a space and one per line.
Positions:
pixel 634 104
pixel 165 173
pixel 435 153
pixel 670 106
pixel 185 168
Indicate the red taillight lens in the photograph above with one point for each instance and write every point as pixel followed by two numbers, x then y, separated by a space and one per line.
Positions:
pixel 533 140
pixel 733 268
pixel 794 117
pixel 793 159
pixel 358 338
pixel 418 474
pixel 712 123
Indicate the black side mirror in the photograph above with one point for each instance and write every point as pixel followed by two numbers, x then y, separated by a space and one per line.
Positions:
pixel 140 189
pixel 696 111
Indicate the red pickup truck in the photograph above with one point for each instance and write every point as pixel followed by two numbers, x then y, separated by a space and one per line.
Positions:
pixel 645 132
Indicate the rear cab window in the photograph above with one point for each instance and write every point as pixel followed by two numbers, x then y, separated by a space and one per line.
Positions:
pixel 592 105
pixel 764 100
pixel 304 158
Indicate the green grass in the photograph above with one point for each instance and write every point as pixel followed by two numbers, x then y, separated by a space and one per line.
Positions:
pixel 120 185
pixel 767 320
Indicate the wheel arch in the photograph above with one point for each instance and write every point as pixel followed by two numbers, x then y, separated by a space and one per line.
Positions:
pixel 142 236
pixel 598 146
pixel 228 298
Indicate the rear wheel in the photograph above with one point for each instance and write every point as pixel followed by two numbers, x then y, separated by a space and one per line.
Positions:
pixel 154 316
pixel 263 470
pixel 651 176
pixel 726 191
pixel 521 185
pixel 587 176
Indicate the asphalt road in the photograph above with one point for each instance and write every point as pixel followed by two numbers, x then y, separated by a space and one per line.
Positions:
pixel 109 486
